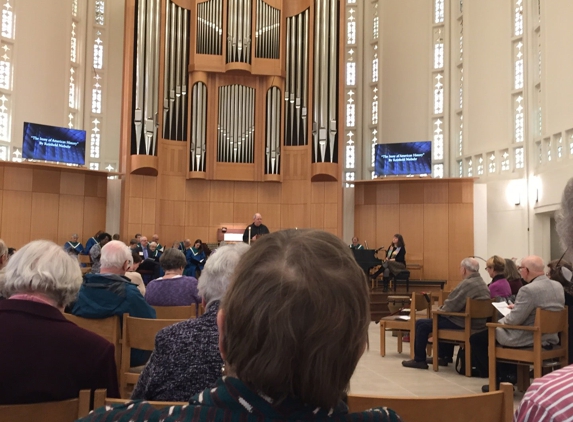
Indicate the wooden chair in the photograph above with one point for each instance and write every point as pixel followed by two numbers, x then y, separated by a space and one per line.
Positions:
pixel 546 322
pixel 418 304
pixel 100 400
pixel 86 262
pixel 175 312
pixel 56 411
pixel 108 328
pixel 496 406
pixel 138 333
pixel 474 309
pixel 442 296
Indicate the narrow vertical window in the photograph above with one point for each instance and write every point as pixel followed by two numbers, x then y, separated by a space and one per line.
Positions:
pixel 7 45
pixel 352 69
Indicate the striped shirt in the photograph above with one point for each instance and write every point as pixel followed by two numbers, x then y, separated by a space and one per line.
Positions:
pixel 548 399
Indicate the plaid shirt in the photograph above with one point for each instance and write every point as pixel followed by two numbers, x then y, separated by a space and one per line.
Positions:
pixel 473 287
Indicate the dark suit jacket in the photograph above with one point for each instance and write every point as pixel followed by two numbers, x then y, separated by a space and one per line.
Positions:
pixel 139 250
pixel 45 357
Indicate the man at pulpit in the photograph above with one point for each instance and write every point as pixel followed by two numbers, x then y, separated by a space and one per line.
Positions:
pixel 255 230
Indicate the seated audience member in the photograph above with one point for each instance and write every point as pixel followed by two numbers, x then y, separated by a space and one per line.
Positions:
pixel 111 293
pixel 73 246
pixel 43 356
pixel 91 241
pixel 195 258
pixel 499 286
pixel 174 288
pixel 540 292
pixel 285 357
pixel 143 248
pixel 186 359
pixel 561 271
pixel 548 399
pixel 134 276
pixel 11 251
pixel 95 251
pixel 115 236
pixel 473 287
pixel 513 277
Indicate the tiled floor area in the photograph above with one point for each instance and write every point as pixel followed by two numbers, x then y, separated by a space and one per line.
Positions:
pixel 386 375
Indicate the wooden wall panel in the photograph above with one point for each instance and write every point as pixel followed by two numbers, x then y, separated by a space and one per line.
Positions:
pixel 461 238
pixel 269 193
pixel 18 178
pixel 148 211
pixel 436 193
pixel 46 181
pixel 436 229
pixel 245 192
pixel 387 225
pixel 136 186
pixel 331 217
pixel 332 191
pixel 271 214
pixel 364 220
pixel 149 187
pixel 135 210
pixel 71 218
pixel 295 216
pixel 221 213
pixel 198 190
pixel 172 187
pixel 359 194
pixel 94 214
pixel 412 192
pixel 461 191
pixel 222 191
pixel 388 193
pixel 295 192
pixel 317 193
pixel 196 214
pixel 370 194
pixel 44 217
pixel 412 229
pixel 317 215
pixel 72 184
pixel 193 233
pixel 16 217
pixel 243 212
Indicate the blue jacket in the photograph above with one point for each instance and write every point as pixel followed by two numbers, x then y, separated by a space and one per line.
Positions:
pixel 105 295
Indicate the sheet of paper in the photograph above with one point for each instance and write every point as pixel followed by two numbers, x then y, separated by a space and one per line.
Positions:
pixel 404 317
pixel 502 307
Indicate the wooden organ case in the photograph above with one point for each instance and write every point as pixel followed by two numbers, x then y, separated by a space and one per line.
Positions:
pixel 234 90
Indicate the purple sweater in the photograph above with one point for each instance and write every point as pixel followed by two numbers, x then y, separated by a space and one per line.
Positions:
pixel 176 291
pixel 499 287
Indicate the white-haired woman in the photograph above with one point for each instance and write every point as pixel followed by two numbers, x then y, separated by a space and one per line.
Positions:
pixel 186 358
pixel 43 356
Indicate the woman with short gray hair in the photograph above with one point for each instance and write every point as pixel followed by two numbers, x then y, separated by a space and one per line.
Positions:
pixel 55 357
pixel 186 358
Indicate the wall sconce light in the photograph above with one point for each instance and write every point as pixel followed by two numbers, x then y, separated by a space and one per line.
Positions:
pixel 516 197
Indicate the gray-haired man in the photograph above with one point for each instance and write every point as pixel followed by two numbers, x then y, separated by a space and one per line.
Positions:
pixel 473 287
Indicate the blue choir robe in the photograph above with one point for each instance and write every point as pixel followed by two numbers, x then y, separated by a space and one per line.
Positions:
pixel 195 259
pixel 92 241
pixel 74 247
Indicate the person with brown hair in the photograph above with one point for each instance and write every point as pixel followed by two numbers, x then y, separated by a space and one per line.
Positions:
pixel 512 276
pixel 292 327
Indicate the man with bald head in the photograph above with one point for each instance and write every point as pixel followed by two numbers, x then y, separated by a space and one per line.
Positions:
pixel 471 286
pixel 539 292
pixel 257 229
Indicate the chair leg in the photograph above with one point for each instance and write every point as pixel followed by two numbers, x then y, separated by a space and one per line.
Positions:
pixel 412 343
pixel 382 338
pixel 468 359
pixel 399 341
pixel 522 377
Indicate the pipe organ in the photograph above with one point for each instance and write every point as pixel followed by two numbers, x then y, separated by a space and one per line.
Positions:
pixel 240 80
